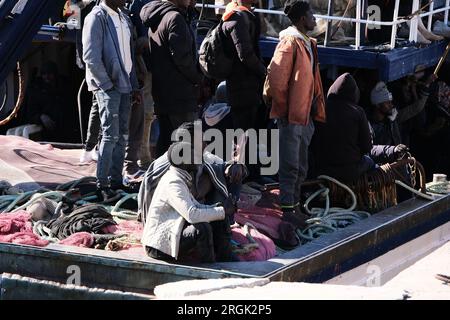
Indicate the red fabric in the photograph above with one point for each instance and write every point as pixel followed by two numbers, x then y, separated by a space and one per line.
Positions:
pixel 266 217
pixel 79 239
pixel 265 251
pixel 15 222
pixel 132 228
pixel 16 228
pixel 265 220
pixel 24 237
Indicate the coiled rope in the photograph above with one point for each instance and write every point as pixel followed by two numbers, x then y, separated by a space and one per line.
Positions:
pixel 329 219
pixel 22 200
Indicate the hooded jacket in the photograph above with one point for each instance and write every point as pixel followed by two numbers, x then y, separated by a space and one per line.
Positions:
pixel 173 204
pixel 173 58
pixel 245 82
pixel 213 165
pixel 294 87
pixel 340 143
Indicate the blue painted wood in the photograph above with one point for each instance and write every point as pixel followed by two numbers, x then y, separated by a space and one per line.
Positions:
pixel 17 32
pixel 391 65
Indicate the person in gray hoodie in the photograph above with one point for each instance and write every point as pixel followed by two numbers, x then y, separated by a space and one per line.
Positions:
pixel 110 75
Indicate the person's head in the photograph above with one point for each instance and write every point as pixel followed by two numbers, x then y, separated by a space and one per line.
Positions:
pixel 246 3
pixel 190 132
pixel 183 155
pixel 345 88
pixel 300 14
pixel 49 72
pixel 419 71
pixel 183 4
pixel 381 98
pixel 114 4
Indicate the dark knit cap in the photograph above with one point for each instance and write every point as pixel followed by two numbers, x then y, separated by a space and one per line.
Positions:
pixel 295 9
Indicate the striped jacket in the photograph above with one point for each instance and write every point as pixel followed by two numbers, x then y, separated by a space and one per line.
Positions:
pixel 214 165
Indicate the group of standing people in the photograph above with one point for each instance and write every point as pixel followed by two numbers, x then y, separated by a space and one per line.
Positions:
pixel 345 143
pixel 171 57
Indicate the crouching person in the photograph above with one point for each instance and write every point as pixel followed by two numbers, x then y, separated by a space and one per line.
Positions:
pixel 178 227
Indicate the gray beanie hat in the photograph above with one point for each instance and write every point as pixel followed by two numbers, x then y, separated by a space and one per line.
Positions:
pixel 380 94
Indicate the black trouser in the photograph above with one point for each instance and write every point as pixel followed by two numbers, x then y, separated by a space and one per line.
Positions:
pixel 135 137
pixel 201 242
pixel 93 129
pixel 167 124
pixel 246 118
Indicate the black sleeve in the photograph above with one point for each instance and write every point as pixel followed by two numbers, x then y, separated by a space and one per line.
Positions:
pixel 181 50
pixel 238 29
pixel 365 138
pixel 383 154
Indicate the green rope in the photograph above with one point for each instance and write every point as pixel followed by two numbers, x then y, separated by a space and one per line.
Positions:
pixel 54 195
pixel 18 199
pixel 329 219
pixel 125 214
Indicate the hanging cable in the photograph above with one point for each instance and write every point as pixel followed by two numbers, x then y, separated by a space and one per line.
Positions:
pixel 20 97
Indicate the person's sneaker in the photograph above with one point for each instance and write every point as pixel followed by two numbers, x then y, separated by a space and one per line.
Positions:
pixel 105 194
pixel 298 220
pixel 95 154
pixel 88 156
pixel 440 28
pixel 128 188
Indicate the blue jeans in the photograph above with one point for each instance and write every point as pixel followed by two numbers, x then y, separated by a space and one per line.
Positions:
pixel 114 108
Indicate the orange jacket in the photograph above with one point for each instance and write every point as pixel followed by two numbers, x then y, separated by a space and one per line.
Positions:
pixel 291 84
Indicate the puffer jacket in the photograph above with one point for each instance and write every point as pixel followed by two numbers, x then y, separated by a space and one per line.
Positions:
pixel 245 82
pixel 172 205
pixel 173 58
pixel 293 86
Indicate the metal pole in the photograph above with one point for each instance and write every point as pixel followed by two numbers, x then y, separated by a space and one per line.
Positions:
pixel 414 22
pixel 358 25
pixel 442 60
pixel 430 17
pixel 365 5
pixel 447 3
pixel 394 26
pixel 329 23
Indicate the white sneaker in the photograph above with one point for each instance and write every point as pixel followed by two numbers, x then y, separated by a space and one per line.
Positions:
pixel 87 156
pixel 95 154
pixel 441 29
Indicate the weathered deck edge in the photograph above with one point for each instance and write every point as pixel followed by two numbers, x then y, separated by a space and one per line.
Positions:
pixel 316 261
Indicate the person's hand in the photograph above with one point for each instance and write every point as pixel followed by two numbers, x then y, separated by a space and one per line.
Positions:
pixel 47 122
pixel 431 78
pixel 235 173
pixel 136 98
pixel 142 45
pixel 400 150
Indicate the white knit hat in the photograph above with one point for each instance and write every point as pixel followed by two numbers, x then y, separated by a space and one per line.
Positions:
pixel 380 94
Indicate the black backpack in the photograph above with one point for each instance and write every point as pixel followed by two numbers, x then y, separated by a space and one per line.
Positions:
pixel 214 62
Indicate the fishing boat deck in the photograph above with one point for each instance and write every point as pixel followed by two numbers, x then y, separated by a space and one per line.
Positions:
pixel 316 261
